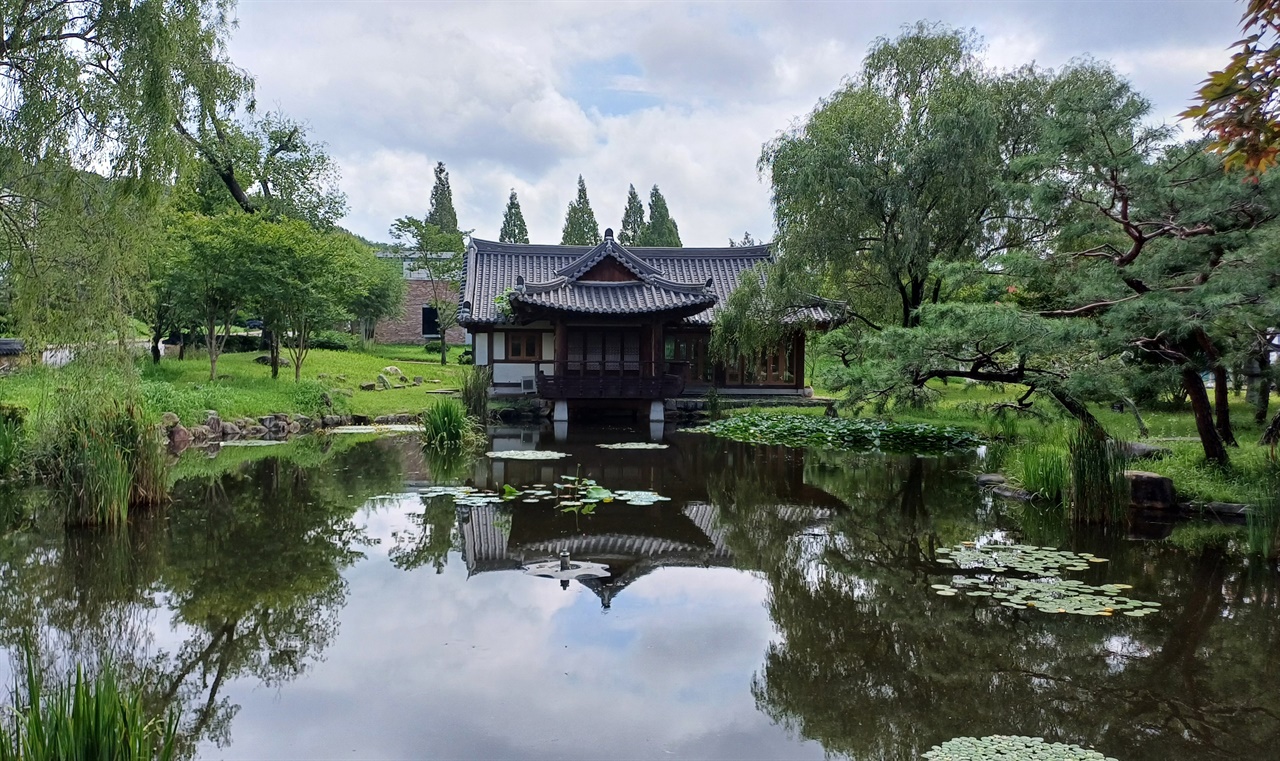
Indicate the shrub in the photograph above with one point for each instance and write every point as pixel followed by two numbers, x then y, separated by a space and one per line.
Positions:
pixel 82 718
pixel 335 340
pixel 433 347
pixel 475 391
pixel 311 397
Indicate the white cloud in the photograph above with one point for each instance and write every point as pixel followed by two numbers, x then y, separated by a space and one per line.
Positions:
pixel 686 92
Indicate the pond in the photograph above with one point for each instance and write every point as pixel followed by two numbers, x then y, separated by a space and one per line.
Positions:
pixel 311 602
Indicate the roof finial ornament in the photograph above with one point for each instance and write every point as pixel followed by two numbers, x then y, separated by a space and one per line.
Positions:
pixel 520 283
pixel 608 233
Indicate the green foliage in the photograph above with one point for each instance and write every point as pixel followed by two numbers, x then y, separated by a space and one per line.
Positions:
pixel 714 404
pixel 661 229
pixel 580 226
pixel 839 433
pixel 1043 470
pixel 514 229
pixel 1099 489
pixel 632 228
pixel 476 380
pixel 86 718
pixel 100 451
pixel 378 293
pixel 441 212
pixel 445 425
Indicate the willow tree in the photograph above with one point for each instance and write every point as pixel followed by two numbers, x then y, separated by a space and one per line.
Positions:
pixel 894 193
pixel 97 87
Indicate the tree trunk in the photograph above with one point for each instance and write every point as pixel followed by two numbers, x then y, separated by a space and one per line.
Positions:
pixel 1271 436
pixel 1214 450
pixel 211 340
pixel 1222 403
pixel 444 350
pixel 1079 412
pixel 1262 388
pixel 273 347
pixel 157 336
pixel 1137 416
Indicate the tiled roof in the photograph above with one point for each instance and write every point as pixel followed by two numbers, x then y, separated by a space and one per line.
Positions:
pixel 547 277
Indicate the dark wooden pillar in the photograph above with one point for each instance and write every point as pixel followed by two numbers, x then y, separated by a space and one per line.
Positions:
pixel 646 349
pixel 797 357
pixel 562 348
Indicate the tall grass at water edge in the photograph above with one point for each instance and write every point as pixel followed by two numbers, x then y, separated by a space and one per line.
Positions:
pixel 1085 478
pixel 1263 528
pixel 100 451
pixel 445 425
pixel 476 380
pixel 85 718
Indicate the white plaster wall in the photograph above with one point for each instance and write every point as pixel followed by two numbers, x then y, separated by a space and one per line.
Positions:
pixel 548 345
pixel 482 349
pixel 512 372
pixel 499 345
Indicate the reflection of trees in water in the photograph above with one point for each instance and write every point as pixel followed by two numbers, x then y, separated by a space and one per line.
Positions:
pixel 873 666
pixel 433 537
pixel 249 565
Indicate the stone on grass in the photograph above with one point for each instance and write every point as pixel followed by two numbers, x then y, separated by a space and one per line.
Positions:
pixel 199 433
pixel 331 421
pixel 255 432
pixel 417 380
pixel 179 438
pixel 383 382
pixel 1150 491
pixel 368 386
pixel 230 430
pixel 168 420
pixel 391 370
pixel 1137 450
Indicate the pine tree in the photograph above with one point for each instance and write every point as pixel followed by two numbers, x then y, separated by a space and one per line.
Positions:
pixel 661 229
pixel 442 214
pixel 632 219
pixel 580 226
pixel 513 226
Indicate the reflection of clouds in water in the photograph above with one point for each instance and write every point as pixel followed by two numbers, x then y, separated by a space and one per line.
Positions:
pixel 504 665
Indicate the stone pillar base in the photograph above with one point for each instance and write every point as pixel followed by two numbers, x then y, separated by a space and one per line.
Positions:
pixel 657 412
pixel 560 413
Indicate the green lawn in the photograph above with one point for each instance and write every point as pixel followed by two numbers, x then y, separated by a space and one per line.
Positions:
pixel 245 389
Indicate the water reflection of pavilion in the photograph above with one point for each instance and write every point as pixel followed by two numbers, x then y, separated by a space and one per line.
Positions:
pixel 633 541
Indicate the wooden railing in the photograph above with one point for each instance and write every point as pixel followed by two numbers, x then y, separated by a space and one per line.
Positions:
pixel 608 379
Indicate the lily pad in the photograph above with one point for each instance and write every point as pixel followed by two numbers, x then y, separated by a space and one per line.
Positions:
pixel 633 445
pixel 526 454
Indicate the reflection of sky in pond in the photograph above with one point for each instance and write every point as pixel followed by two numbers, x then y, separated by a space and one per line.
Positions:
pixel 504 665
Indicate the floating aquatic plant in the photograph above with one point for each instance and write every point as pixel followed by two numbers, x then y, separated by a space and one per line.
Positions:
pixel 1040 585
pixel 1010 748
pixel 841 433
pixel 633 445
pixel 526 454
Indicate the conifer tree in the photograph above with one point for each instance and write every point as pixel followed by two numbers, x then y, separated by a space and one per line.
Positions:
pixel 580 226
pixel 661 229
pixel 513 229
pixel 441 213
pixel 632 219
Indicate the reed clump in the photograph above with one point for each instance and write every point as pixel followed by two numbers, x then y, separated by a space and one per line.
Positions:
pixel 99 450
pixel 476 381
pixel 445 425
pixel 1086 477
pixel 85 718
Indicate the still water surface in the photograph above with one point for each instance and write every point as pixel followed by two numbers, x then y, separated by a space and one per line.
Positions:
pixel 314 605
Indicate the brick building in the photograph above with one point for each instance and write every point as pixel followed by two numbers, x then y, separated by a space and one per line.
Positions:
pixel 417 322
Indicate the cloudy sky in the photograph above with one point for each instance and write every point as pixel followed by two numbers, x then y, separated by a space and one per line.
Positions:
pixel 529 95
